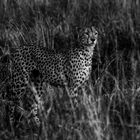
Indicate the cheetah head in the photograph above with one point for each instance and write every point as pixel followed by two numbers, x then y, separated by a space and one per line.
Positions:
pixel 88 37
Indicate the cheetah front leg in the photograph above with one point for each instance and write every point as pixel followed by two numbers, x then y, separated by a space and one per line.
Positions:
pixel 74 93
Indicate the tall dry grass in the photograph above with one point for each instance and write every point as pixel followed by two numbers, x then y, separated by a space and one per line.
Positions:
pixel 109 104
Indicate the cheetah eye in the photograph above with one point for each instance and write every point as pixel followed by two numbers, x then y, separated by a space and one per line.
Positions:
pixel 96 33
pixel 86 33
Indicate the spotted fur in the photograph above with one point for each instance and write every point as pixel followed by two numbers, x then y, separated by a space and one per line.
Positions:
pixel 69 69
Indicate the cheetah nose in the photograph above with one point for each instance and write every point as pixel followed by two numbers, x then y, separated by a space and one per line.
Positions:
pixel 92 39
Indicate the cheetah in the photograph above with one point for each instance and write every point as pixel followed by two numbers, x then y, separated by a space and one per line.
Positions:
pixel 69 69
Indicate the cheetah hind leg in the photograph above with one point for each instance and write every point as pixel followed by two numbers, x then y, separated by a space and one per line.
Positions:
pixel 33 106
pixel 11 112
pixel 37 91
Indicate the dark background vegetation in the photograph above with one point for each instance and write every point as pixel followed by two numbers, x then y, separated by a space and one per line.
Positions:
pixel 111 99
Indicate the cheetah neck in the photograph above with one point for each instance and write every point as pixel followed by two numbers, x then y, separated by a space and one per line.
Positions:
pixel 88 50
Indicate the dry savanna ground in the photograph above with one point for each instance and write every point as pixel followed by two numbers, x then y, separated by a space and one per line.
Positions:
pixel 109 107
